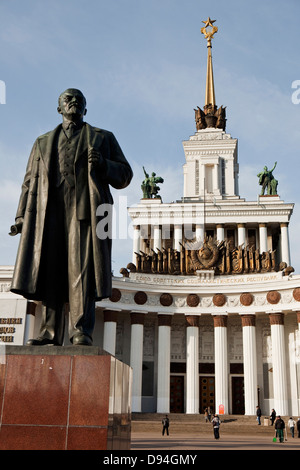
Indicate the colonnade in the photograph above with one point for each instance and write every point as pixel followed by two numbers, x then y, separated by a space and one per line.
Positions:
pixel 248 322
pixel 178 234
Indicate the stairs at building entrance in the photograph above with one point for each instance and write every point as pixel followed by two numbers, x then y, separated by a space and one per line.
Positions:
pixel 195 424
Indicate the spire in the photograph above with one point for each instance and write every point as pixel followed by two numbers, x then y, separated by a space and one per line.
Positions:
pixel 209 30
pixel 211 116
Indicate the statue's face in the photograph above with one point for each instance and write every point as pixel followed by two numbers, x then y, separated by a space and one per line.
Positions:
pixel 72 105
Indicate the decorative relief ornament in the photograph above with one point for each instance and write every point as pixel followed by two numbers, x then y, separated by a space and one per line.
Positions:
pixel 219 300
pixel 207 256
pixel 210 254
pixel 233 301
pixel 115 295
pixel 180 301
pixel 273 297
pixel 140 298
pixel 246 299
pixel 166 300
pixel 206 301
pixel 193 300
pixel 296 294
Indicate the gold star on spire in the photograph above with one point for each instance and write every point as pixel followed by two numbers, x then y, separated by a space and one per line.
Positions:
pixel 209 34
pixel 209 22
pixel 210 88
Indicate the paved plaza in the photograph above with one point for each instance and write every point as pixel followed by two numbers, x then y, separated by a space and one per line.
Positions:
pixel 153 441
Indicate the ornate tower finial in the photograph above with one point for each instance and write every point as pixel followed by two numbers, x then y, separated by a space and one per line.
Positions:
pixel 211 116
pixel 210 33
pixel 209 30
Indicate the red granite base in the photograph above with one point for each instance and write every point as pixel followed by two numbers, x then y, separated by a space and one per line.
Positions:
pixel 62 401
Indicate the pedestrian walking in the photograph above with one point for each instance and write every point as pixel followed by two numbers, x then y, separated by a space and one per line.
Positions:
pixel 279 428
pixel 216 426
pixel 258 415
pixel 298 427
pixel 272 416
pixel 165 423
pixel 206 415
pixel 291 425
pixel 209 413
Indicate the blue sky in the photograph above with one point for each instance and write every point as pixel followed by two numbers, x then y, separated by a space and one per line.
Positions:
pixel 141 65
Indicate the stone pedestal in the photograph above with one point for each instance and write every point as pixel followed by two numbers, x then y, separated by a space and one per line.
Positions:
pixel 63 398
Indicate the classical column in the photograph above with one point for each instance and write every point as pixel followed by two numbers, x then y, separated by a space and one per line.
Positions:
pixel 177 237
pixel 200 232
pixel 293 338
pixel 136 358
pixel 215 177
pixel 110 329
pixel 221 363
pixel 156 237
pixel 192 364
pixel 164 357
pixel 279 363
pixel 30 321
pixel 298 320
pixel 136 242
pixel 285 246
pixel 250 363
pixel 220 232
pixel 241 234
pixel 263 238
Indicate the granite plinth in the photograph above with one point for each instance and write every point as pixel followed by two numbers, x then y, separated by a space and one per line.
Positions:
pixel 63 398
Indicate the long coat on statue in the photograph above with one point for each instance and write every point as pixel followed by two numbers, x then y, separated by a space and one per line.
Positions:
pixel 92 190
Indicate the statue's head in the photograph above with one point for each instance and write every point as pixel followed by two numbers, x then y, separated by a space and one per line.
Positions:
pixel 72 105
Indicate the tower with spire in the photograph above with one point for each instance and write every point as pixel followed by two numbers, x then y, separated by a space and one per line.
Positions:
pixel 211 169
pixel 211 115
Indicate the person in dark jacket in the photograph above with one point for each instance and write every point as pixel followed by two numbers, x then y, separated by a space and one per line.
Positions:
pixel 272 416
pixel 298 427
pixel 166 424
pixel 258 415
pixel 64 254
pixel 280 427
pixel 216 426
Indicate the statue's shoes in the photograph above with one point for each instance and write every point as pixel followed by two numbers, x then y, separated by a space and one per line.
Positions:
pixel 40 341
pixel 82 340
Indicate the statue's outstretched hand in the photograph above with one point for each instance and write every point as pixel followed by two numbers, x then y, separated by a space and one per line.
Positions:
pixel 17 227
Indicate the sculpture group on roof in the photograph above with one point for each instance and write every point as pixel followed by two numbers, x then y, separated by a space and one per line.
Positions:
pixel 149 186
pixel 267 181
pixel 210 254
